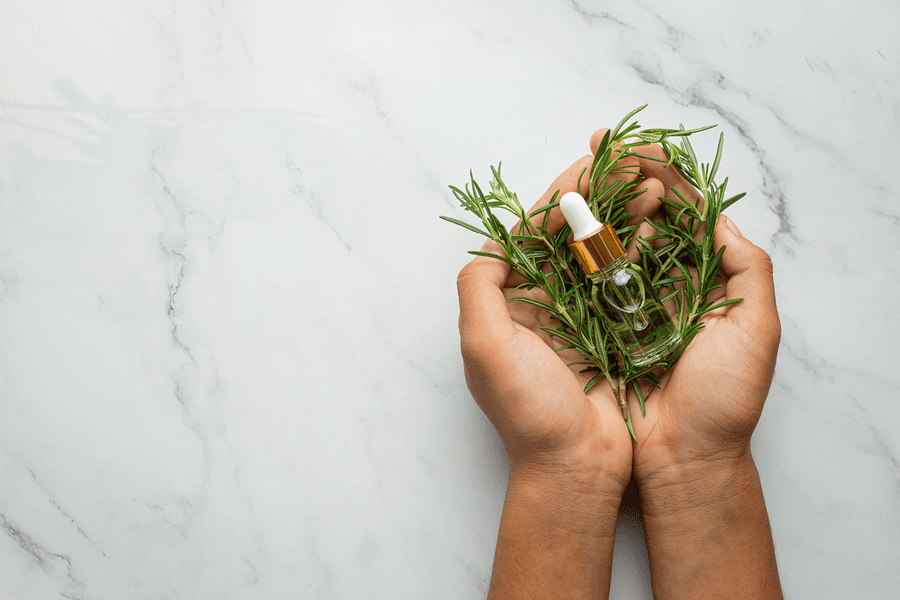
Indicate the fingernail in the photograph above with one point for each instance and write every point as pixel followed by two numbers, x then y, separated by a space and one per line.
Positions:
pixel 729 222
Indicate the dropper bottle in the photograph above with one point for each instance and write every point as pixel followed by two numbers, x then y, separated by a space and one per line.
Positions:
pixel 618 287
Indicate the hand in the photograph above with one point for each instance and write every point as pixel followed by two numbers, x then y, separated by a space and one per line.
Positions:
pixel 710 401
pixel 569 453
pixel 522 383
pixel 707 530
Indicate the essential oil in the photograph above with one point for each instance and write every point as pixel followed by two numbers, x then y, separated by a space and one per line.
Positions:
pixel 618 287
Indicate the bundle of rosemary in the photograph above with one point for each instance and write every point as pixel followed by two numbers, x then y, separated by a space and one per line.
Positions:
pixel 679 260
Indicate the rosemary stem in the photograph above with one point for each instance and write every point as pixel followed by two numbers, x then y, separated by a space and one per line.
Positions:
pixel 669 262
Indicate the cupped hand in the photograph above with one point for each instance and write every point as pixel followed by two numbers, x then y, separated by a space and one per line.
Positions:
pixel 710 402
pixel 524 386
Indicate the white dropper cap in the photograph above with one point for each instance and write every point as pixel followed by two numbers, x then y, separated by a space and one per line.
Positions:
pixel 578 215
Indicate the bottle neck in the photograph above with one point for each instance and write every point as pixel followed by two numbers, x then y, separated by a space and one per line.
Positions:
pixel 598 250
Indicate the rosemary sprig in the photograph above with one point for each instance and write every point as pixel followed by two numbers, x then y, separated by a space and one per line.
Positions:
pixel 686 228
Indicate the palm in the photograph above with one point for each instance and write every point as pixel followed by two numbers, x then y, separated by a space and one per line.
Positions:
pixel 552 404
pixel 712 396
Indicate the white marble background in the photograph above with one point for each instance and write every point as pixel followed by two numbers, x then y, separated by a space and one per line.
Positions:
pixel 228 352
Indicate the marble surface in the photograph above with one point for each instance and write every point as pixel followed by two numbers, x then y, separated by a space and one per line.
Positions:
pixel 229 362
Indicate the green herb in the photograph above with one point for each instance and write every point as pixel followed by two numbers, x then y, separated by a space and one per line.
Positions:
pixel 544 260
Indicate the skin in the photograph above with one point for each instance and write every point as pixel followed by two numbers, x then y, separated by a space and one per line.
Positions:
pixel 571 455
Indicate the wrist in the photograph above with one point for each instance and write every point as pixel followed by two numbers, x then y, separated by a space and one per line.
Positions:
pixel 598 458
pixel 684 487
pixel 707 530
pixel 586 482
pixel 582 472
pixel 576 503
pixel 673 462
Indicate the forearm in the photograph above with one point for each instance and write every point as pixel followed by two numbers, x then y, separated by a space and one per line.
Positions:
pixel 708 533
pixel 556 536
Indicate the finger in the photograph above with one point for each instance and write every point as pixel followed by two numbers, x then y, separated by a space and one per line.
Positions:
pixel 644 230
pixel 641 207
pixel 483 316
pixel 596 138
pixel 573 179
pixel 646 204
pixel 627 169
pixel 654 163
pixel 577 178
pixel 749 272
pixel 529 316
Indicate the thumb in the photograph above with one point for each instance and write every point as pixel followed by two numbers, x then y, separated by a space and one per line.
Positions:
pixel 748 270
pixel 484 320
